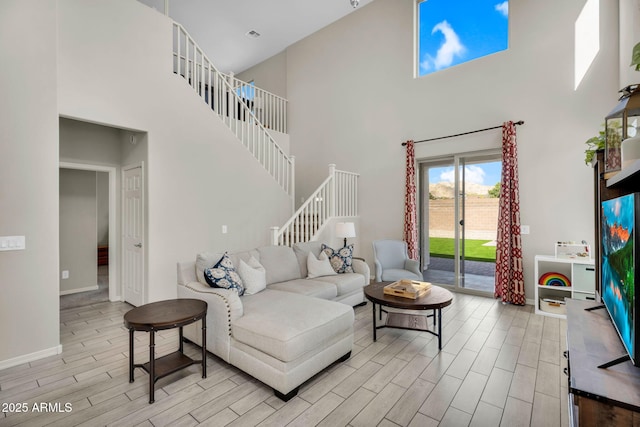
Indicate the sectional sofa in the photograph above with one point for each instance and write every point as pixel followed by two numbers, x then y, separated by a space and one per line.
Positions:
pixel 289 331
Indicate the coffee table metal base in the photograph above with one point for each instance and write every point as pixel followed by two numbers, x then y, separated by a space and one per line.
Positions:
pixel 410 321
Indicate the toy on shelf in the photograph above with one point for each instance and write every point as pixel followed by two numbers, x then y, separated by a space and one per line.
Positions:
pixel 573 250
pixel 554 279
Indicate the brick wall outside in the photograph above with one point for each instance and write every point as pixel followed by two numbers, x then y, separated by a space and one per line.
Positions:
pixel 481 218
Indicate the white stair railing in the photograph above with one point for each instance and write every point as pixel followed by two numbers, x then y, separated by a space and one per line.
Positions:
pixel 337 196
pixel 268 107
pixel 190 62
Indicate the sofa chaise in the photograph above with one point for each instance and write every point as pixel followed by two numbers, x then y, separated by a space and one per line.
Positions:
pixel 288 332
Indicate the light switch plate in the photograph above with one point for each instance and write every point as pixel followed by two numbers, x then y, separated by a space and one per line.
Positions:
pixel 524 229
pixel 12 243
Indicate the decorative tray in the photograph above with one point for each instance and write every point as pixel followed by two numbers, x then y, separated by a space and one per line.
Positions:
pixel 408 289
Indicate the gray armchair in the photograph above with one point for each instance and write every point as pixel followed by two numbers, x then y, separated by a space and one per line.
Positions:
pixel 393 263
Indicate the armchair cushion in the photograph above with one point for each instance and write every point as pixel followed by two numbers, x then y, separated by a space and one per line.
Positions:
pixel 413 266
pixel 392 261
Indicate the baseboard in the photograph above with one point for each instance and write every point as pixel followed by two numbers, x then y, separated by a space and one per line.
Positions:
pixel 530 301
pixel 75 291
pixel 4 364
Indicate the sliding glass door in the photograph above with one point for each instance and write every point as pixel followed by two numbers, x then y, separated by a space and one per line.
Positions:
pixel 459 198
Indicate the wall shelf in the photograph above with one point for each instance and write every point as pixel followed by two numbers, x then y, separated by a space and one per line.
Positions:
pixel 580 271
pixel 628 175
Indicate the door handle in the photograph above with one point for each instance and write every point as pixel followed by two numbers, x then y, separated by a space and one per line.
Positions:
pixel 138 245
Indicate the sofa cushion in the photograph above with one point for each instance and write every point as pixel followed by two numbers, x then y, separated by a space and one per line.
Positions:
pixel 267 323
pixel 310 287
pixel 280 262
pixel 319 267
pixel 253 275
pixel 302 250
pixel 344 283
pixel 208 260
pixel 224 275
pixel 341 259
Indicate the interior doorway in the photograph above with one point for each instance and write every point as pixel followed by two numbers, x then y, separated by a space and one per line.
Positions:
pixel 106 272
pixel 459 200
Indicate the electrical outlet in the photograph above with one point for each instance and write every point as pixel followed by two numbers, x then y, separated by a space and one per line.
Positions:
pixel 224 229
pixel 65 274
pixel 524 229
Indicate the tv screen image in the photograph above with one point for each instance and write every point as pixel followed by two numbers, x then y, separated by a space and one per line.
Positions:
pixel 618 267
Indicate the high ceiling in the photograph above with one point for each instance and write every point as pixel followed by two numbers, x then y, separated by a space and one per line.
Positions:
pixel 220 26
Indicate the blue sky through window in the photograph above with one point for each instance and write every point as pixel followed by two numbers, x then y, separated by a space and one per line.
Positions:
pixel 451 32
pixel 488 173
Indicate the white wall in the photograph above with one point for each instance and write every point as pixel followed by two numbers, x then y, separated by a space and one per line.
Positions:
pixel 29 306
pixel 353 100
pixel 115 68
pixel 78 230
pixel 270 75
pixel 629 37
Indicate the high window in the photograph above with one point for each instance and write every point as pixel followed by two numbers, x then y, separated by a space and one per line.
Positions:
pixel 451 32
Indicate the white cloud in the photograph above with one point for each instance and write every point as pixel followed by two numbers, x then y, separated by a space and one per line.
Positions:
pixel 450 48
pixel 503 8
pixel 472 174
pixel 447 176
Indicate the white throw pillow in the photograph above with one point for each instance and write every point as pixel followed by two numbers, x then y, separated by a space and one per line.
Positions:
pixel 320 266
pixel 253 275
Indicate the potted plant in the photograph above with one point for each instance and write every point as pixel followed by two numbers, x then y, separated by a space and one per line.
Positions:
pixel 598 142
pixel 593 144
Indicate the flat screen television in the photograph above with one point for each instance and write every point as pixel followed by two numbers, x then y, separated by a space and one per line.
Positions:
pixel 619 269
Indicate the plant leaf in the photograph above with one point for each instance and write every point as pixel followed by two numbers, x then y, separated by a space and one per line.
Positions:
pixel 635 57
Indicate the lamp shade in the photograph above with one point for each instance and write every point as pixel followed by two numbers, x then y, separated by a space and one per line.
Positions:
pixel 345 229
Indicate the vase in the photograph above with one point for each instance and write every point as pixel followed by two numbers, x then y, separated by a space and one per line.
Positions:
pixel 630 151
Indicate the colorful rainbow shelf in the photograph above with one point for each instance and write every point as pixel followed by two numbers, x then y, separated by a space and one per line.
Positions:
pixel 554 279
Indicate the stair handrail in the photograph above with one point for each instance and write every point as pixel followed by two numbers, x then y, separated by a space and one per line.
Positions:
pixel 201 75
pixel 336 196
pixel 271 109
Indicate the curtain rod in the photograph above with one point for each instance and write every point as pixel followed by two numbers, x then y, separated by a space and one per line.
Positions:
pixel 521 122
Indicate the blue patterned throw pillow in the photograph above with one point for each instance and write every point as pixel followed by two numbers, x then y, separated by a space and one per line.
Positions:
pixel 224 275
pixel 341 259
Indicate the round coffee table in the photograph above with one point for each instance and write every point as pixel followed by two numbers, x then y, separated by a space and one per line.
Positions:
pixel 435 300
pixel 161 315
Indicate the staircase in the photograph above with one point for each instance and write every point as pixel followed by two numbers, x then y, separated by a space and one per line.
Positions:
pixel 245 109
pixel 236 105
pixel 336 197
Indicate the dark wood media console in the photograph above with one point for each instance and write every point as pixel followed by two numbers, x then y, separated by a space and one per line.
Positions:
pixel 599 397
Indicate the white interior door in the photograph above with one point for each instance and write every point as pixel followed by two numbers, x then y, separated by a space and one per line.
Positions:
pixel 133 235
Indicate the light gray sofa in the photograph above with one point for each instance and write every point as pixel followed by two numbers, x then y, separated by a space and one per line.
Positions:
pixel 286 333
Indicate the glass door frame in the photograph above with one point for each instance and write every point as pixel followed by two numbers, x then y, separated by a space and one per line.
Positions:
pixel 456 160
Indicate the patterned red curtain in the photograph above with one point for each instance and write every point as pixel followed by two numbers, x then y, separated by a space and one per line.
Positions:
pixel 410 213
pixel 509 278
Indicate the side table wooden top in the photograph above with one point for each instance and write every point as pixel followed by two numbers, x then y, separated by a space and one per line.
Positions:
pixel 165 314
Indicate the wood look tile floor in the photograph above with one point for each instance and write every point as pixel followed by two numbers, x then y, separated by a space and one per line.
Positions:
pixel 500 365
